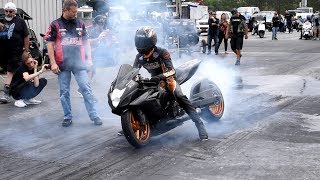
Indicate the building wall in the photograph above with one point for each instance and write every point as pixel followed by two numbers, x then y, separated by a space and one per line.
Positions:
pixel 41 11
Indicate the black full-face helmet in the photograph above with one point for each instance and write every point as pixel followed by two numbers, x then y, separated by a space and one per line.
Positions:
pixel 145 39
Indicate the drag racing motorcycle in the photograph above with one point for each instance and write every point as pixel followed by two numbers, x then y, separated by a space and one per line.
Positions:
pixel 145 113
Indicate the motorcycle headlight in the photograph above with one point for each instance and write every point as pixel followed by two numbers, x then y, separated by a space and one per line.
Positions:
pixel 115 96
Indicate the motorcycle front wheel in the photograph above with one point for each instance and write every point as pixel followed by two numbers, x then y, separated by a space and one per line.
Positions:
pixel 136 133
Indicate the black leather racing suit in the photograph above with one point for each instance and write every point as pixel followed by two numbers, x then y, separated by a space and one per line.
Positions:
pixel 154 65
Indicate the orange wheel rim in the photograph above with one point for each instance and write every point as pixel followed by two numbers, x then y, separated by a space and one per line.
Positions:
pixel 141 132
pixel 217 109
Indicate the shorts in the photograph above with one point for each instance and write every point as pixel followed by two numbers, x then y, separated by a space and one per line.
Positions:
pixel 10 58
pixel 236 42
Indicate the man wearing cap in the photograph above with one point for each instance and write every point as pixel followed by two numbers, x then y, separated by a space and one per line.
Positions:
pixel 14 39
pixel 238 29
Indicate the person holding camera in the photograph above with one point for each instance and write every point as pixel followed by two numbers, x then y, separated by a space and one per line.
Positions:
pixel 26 84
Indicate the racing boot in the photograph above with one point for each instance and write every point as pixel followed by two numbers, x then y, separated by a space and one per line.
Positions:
pixel 203 135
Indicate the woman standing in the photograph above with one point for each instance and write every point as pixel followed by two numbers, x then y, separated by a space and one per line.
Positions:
pixel 223 25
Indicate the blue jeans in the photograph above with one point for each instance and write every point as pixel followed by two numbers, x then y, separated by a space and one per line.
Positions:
pixel 274 32
pixel 82 79
pixel 216 41
pixel 29 90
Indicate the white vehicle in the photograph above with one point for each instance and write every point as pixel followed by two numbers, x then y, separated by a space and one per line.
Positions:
pixel 202 24
pixel 307 30
pixel 250 10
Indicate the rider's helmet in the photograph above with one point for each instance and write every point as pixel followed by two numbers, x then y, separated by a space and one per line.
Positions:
pixel 100 20
pixel 145 39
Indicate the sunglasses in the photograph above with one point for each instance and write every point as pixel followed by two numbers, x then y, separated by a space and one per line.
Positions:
pixel 9 11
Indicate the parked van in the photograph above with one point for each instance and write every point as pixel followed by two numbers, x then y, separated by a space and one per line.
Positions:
pixel 250 10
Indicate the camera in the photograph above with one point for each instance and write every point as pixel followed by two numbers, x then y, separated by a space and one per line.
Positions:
pixel 48 67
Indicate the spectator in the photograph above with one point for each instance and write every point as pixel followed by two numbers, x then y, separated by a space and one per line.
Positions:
pixel 223 26
pixel 14 39
pixel 69 52
pixel 25 84
pixel 238 28
pixel 275 26
pixel 247 16
pixel 213 32
pixel 315 24
pixel 300 22
pixel 96 33
pixel 288 18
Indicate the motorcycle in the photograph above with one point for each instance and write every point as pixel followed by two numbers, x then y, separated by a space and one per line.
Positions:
pixel 259 28
pixel 144 112
pixel 307 30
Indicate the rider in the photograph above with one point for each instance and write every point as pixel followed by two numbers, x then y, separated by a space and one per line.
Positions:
pixel 157 62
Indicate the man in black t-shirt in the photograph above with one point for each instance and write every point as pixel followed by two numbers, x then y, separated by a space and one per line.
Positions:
pixel 238 29
pixel 213 32
pixel 14 37
pixel 275 26
pixel 288 18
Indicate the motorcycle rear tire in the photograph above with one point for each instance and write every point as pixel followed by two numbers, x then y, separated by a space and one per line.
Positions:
pixel 214 111
pixel 136 134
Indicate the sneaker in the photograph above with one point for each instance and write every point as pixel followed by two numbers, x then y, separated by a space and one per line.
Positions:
pixel 276 38
pixel 226 52
pixel 5 98
pixel 209 53
pixel 32 101
pixel 20 103
pixel 237 63
pixel 97 121
pixel 216 53
pixel 66 122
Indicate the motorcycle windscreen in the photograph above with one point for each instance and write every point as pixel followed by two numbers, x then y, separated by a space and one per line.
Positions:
pixel 126 73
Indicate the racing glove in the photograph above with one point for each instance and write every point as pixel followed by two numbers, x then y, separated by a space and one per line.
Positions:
pixel 157 78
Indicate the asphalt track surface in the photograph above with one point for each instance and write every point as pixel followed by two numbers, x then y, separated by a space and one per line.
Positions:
pixel 270 129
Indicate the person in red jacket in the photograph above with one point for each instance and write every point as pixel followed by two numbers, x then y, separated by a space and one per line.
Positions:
pixel 70 53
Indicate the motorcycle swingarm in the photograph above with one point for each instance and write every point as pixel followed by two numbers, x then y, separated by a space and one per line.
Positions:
pixel 203 99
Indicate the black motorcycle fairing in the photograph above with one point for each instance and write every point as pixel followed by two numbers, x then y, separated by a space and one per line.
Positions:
pixel 186 70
